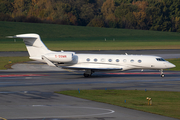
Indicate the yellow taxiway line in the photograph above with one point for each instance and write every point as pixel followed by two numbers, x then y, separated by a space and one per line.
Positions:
pixel 1 118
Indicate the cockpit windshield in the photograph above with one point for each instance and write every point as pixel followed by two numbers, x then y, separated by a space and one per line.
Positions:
pixel 160 59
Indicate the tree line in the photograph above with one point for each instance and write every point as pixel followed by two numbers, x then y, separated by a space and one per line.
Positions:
pixel 160 15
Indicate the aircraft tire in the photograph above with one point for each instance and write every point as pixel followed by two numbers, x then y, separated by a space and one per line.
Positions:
pixel 162 75
pixel 87 75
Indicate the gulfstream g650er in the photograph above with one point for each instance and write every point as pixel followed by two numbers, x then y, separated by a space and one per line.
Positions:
pixel 90 63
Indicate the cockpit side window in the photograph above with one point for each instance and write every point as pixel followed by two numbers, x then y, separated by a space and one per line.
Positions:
pixel 160 59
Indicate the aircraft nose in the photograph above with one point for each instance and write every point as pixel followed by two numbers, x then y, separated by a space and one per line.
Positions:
pixel 170 65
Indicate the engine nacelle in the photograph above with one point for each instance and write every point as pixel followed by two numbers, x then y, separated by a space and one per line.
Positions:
pixel 60 56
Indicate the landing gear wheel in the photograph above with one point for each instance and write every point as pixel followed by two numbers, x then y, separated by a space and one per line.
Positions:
pixel 162 75
pixel 87 75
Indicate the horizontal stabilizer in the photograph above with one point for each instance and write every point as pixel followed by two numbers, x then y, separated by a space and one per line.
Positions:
pixel 25 37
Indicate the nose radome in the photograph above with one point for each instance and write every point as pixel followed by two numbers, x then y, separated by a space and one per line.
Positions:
pixel 173 65
pixel 170 65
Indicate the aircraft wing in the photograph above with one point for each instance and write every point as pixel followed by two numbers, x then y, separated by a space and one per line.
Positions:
pixel 96 67
pixel 84 68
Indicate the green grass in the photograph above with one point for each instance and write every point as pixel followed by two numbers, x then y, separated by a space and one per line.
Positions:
pixel 66 37
pixel 164 103
pixel 7 62
pixel 110 45
pixel 98 45
pixel 67 32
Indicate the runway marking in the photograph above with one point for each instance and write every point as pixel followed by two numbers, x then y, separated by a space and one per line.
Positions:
pixel 22 75
pixel 1 118
pixel 102 111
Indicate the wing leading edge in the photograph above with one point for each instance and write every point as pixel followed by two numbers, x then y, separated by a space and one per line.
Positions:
pixel 96 67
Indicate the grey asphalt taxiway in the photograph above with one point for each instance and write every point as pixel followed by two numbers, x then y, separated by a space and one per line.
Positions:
pixel 27 92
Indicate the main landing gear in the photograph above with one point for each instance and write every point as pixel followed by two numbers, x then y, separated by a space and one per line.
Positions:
pixel 162 74
pixel 88 73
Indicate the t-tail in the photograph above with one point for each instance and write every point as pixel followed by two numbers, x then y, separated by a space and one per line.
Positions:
pixel 38 51
pixel 34 45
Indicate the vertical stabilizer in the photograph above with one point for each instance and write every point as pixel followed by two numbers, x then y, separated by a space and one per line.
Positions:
pixel 34 45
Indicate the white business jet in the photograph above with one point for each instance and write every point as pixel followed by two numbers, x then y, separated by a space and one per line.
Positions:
pixel 90 63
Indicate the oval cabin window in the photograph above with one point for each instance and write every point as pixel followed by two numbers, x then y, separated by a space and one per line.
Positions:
pixel 102 60
pixel 139 61
pixel 88 59
pixel 132 60
pixel 124 60
pixel 95 60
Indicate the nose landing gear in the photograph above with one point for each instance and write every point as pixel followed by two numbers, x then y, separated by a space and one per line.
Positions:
pixel 162 74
